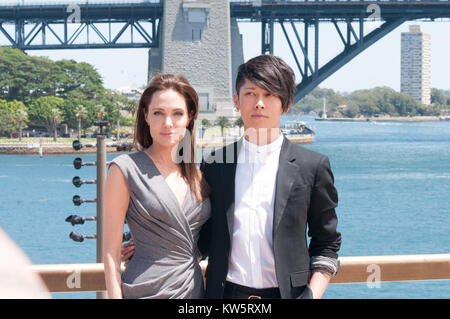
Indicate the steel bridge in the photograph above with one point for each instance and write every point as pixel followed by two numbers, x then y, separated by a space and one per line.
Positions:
pixel 136 24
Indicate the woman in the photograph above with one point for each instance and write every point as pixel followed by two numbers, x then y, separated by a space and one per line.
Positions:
pixel 163 198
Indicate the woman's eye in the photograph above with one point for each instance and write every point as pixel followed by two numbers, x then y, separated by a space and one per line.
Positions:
pixel 179 113
pixel 157 113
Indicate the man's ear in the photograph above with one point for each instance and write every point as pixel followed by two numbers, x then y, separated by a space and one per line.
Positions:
pixel 236 101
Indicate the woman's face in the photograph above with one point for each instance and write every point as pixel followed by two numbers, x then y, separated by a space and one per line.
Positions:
pixel 167 117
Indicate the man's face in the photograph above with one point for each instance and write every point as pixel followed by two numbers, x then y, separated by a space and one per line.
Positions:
pixel 259 108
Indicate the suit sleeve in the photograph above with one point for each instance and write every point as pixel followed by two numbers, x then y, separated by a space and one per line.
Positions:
pixel 205 231
pixel 322 219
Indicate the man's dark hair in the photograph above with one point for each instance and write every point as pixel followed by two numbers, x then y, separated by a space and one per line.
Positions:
pixel 271 74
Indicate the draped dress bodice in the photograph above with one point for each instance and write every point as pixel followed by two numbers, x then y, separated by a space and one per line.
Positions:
pixel 164 264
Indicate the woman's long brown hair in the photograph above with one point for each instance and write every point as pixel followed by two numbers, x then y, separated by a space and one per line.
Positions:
pixel 143 139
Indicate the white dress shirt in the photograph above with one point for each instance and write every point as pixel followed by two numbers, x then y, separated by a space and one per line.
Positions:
pixel 251 260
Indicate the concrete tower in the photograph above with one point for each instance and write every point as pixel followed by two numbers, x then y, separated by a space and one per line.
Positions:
pixel 415 64
pixel 195 41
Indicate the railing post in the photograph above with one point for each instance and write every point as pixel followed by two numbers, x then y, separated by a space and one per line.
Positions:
pixel 101 177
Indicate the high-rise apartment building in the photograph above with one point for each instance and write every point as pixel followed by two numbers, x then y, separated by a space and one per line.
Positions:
pixel 415 64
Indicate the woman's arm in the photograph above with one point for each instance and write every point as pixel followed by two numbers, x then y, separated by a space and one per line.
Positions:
pixel 116 201
pixel 318 283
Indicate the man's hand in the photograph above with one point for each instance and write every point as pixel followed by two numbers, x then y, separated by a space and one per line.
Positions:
pixel 127 252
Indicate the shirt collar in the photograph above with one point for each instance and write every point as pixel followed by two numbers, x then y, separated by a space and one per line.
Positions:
pixel 268 148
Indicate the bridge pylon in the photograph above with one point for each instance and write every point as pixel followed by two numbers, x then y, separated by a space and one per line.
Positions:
pixel 196 41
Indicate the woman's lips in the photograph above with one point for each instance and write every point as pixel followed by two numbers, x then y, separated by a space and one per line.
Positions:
pixel 167 133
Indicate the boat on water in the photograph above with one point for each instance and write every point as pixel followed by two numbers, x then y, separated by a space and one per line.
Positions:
pixel 297 132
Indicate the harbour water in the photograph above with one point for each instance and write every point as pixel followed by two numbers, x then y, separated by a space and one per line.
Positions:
pixel 393 180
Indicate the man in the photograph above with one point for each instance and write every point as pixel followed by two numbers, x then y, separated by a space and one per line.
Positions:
pixel 264 196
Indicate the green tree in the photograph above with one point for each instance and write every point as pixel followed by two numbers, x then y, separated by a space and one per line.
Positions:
pixel 22 116
pixel 41 112
pixel 365 101
pixel 100 111
pixel 117 107
pixel 14 117
pixel 335 100
pixel 80 80
pixel 81 113
pixel 25 78
pixel 438 97
pixel 114 103
pixel 223 122
pixel 205 122
pixel 3 104
pixel 56 119
pixel 239 123
pixel 306 104
pixel 8 122
pixel 351 111
pixel 405 104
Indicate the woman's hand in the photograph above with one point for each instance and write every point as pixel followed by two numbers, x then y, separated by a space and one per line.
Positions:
pixel 127 252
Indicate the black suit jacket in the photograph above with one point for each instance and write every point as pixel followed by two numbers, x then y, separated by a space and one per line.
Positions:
pixel 305 201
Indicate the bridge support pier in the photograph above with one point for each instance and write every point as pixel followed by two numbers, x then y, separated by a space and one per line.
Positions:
pixel 196 42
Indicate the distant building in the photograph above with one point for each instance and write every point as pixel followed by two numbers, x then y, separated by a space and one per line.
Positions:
pixel 131 92
pixel 415 64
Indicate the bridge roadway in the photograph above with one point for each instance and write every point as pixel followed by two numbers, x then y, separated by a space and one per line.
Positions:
pixel 240 9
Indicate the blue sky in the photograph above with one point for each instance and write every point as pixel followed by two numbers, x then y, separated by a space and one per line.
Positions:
pixel 379 65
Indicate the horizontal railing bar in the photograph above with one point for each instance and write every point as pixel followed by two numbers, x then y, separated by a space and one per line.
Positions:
pixel 90 277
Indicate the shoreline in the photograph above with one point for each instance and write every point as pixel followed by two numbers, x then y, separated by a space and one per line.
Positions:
pixel 385 119
pixel 55 150
pixel 62 148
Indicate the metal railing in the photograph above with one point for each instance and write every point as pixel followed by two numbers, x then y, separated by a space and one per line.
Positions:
pixel 369 269
pixel 67 2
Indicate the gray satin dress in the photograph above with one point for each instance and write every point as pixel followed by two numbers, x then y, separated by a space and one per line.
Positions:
pixel 164 264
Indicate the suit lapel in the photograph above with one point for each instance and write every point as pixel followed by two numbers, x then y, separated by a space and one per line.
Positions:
pixel 286 175
pixel 228 173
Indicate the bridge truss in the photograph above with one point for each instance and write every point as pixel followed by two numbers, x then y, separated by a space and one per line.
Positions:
pixel 344 15
pixel 84 26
